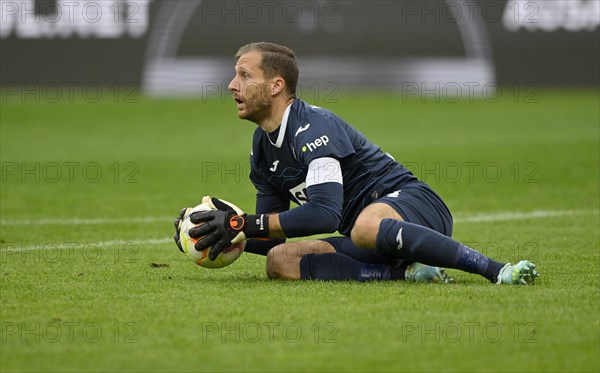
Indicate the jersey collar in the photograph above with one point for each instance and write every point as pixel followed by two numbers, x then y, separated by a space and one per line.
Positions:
pixel 282 127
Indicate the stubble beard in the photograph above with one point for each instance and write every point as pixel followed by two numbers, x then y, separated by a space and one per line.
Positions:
pixel 258 108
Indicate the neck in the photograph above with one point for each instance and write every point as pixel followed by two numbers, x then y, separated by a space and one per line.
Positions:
pixel 273 122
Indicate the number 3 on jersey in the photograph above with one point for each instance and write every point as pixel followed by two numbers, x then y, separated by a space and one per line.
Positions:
pixel 299 193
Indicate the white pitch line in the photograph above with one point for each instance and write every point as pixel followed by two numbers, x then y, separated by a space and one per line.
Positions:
pixel 477 218
pixel 92 221
pixel 519 215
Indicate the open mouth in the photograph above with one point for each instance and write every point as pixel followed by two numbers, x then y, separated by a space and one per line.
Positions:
pixel 239 104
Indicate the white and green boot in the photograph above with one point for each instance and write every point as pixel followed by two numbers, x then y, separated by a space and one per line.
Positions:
pixel 418 272
pixel 522 273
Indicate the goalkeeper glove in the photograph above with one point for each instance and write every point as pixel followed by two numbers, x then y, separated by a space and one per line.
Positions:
pixel 207 200
pixel 226 226
pixel 177 223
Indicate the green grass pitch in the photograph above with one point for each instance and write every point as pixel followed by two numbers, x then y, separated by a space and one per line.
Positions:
pixel 90 280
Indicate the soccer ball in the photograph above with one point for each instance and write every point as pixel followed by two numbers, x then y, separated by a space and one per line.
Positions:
pixel 225 258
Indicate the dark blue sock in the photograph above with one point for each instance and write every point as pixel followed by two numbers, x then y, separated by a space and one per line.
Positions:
pixel 424 245
pixel 336 266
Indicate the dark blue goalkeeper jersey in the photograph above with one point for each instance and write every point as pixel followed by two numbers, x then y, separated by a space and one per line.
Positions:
pixel 306 148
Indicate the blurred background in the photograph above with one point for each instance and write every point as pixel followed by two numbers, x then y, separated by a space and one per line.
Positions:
pixel 176 47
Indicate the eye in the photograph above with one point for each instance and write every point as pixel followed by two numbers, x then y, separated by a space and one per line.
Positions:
pixel 245 75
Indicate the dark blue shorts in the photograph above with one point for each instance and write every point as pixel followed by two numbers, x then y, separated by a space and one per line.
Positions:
pixel 417 203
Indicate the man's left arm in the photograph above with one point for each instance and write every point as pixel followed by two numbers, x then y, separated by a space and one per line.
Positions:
pixel 268 200
pixel 322 213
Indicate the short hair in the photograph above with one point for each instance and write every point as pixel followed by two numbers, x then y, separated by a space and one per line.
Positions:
pixel 276 60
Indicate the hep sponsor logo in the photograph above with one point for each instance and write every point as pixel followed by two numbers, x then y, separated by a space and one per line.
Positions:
pixel 311 146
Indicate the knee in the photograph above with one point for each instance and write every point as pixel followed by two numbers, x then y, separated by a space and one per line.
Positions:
pixel 364 232
pixel 277 263
pixel 273 265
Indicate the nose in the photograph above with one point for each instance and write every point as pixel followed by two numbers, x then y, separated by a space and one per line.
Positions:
pixel 234 86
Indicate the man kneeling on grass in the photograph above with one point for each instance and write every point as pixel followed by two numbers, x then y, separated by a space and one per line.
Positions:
pixel 395 226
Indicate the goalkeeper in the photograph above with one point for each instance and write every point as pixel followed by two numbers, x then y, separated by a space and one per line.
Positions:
pixel 394 226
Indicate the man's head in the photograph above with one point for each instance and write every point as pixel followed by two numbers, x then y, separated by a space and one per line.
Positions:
pixel 265 72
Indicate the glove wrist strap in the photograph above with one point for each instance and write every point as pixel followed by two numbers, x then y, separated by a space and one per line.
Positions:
pixel 257 226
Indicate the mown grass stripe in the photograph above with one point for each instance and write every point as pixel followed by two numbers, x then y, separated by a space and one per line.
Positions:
pixel 459 218
pixel 478 218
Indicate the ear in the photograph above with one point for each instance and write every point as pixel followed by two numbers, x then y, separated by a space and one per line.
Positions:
pixel 278 85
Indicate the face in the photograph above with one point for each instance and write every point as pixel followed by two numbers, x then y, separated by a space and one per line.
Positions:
pixel 251 89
